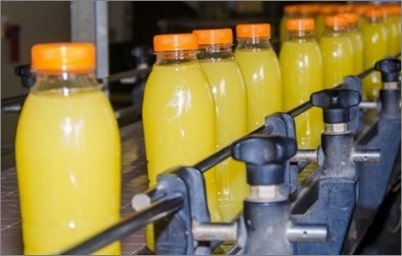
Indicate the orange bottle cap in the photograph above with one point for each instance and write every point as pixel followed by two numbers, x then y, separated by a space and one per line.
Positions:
pixel 214 36
pixel 290 9
pixel 351 17
pixel 253 30
pixel 335 21
pixel 374 12
pixel 392 9
pixel 68 57
pixel 326 9
pixel 344 8
pixel 309 9
pixel 300 24
pixel 360 9
pixel 174 42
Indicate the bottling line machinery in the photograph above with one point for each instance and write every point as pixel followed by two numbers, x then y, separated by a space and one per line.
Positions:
pixel 352 173
pixel 352 180
pixel 350 176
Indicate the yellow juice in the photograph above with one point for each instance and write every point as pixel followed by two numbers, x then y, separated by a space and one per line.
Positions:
pixel 357 42
pixel 394 35
pixel 396 19
pixel 179 125
pixel 301 67
pixel 375 48
pixel 230 97
pixel 68 162
pixel 337 58
pixel 262 76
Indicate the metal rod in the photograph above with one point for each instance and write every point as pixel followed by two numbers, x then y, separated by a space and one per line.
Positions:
pixel 368 105
pixel 367 155
pixel 214 231
pixel 220 155
pixel 130 73
pixel 127 226
pixel 18 99
pixel 307 233
pixel 300 109
pixel 309 155
pixel 142 200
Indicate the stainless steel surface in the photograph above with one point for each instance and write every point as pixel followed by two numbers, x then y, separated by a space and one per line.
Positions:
pixel 368 105
pixel 391 85
pixel 336 128
pixel 307 233
pixel 309 155
pixel 134 181
pixel 367 155
pixel 215 231
pixel 89 23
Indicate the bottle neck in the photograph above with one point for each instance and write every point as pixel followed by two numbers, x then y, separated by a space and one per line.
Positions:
pixel 301 35
pixel 215 51
pixel 175 57
pixel 64 81
pixel 253 43
pixel 374 20
pixel 334 31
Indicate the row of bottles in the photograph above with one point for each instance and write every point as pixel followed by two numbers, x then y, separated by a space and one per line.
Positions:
pixel 374 32
pixel 200 96
pixel 245 85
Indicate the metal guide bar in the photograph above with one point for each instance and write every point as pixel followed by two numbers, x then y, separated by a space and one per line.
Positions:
pixel 137 220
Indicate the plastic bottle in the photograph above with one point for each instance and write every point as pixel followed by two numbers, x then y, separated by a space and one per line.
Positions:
pixel 302 74
pixel 360 9
pixel 375 43
pixel 337 51
pixel 309 11
pixel 229 92
pixel 344 8
pixel 289 12
pixel 260 70
pixel 323 11
pixel 391 16
pixel 67 153
pixel 395 15
pixel 178 114
pixel 357 41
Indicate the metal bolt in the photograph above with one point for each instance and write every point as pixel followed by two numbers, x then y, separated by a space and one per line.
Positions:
pixel 336 128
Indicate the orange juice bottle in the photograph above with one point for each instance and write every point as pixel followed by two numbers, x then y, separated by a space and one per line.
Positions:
pixel 67 153
pixel 178 114
pixel 395 13
pixel 302 74
pixel 357 41
pixel 392 14
pixel 309 11
pixel 323 11
pixel 344 8
pixel 375 41
pixel 289 12
pixel 259 66
pixel 360 9
pixel 229 92
pixel 337 51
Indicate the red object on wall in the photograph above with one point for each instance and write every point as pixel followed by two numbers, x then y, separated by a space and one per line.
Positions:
pixel 12 33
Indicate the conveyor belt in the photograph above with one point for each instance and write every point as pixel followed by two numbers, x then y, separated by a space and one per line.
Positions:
pixel 134 181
